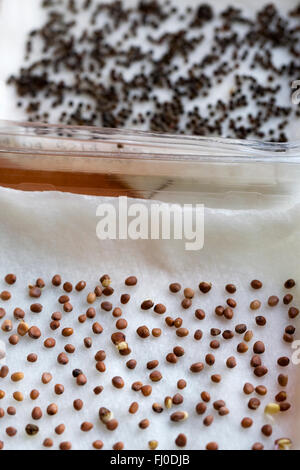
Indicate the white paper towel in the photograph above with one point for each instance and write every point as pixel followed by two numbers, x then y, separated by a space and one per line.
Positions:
pixel 42 234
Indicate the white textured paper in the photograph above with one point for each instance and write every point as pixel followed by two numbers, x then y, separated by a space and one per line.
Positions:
pixel 42 234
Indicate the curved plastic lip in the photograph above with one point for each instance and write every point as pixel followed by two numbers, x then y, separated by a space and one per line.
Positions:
pixel 27 137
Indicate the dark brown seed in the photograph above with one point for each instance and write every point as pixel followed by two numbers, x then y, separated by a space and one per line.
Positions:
pixel 179 416
pixel 13 340
pixel 11 432
pixel 157 408
pixel 36 413
pixel 188 293
pixel 131 281
pixel 65 445
pixel 146 390
pixel 201 408
pixel 205 287
pixel 5 296
pixel 34 332
pixel 98 445
pixel 255 284
pixel 88 342
pixel 49 343
pixel 3 313
pixel 273 300
pixel 91 312
pixel 136 386
pixel 48 442
pixel 205 396
pixel 228 334
pixel 86 426
pixel 248 388
pixel 246 423
pixel 216 378
pixel 215 332
pixel 248 336
pixel 54 325
pixel 97 328
pixel 143 331
pixel 69 348
pixel 289 284
pixel 156 332
pixel 178 351
pixel 231 303
pixel 285 406
pixel 118 382
pixel 59 389
pixel 282 380
pixel 100 355
pixel 242 348
pixel 155 376
pixel 100 366
pixel 36 308
pixel 231 289
pixel 287 299
pixel 178 322
pixel 212 446
pixel 31 429
pixel 254 403
pixel 197 367
pixel 260 320
pixel 293 312
pixel 223 411
pixel 46 377
pixel 68 307
pixel 34 394
pixel 11 411
pixel 231 362
pixel 131 364
pixel 68 287
pixel 182 332
pixel 255 304
pixel 186 303
pixel 255 361
pixel 133 408
pixel 281 396
pixel 107 306
pixel 147 304
pixel 267 430
pixel 160 309
pixel 288 338
pixel 4 371
pixel 57 316
pixel 218 404
pixel 283 361
pixel 208 420
pixel 261 390
pixel 112 425
pixel 67 332
pixel 199 314
pixel 19 314
pixel 181 440
pixel 81 380
pixel 177 399
pixel 240 329
pixel 60 429
pixel 78 404
pixel 56 280
pixel 80 286
pixel 258 446
pixel 198 335
pixel 169 321
pixel 210 359
pixel 175 287
pixel 215 344
pixel 124 299
pixel 259 347
pixel 219 310
pixel 97 390
pixel 62 358
pixel 260 371
pixel 228 313
pixel 52 409
pixel 10 279
pixel 32 357
pixel 144 424
pixel 35 292
pixel 152 364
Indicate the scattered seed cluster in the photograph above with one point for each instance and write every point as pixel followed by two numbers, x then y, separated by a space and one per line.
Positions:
pixel 22 325
pixel 172 69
